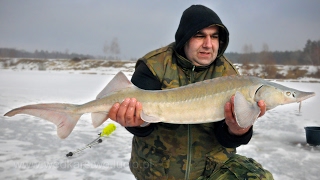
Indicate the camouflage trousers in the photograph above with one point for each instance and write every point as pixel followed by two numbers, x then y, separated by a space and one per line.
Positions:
pixel 238 167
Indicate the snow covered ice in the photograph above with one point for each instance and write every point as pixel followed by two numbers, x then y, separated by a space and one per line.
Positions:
pixel 30 148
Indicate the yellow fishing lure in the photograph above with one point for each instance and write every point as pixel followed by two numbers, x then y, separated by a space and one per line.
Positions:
pixel 106 131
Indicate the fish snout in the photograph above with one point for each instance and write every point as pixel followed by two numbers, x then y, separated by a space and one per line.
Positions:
pixel 300 96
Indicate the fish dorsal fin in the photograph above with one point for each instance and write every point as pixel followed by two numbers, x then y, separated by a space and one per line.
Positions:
pixel 245 112
pixel 120 81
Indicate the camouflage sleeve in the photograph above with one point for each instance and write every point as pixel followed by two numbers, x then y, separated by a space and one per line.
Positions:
pixel 228 140
pixel 144 79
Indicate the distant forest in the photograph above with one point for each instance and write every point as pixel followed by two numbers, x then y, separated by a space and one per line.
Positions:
pixel 309 55
pixel 14 53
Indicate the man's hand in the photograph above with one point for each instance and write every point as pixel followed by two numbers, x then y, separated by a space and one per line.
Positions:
pixel 233 126
pixel 127 113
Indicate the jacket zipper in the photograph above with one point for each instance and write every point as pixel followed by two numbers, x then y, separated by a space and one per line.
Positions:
pixel 189 153
pixel 192 74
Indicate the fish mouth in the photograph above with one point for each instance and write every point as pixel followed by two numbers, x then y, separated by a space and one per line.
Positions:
pixel 302 96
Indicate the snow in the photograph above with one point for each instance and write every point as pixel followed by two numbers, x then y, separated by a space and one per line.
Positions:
pixel 29 145
pixel 30 148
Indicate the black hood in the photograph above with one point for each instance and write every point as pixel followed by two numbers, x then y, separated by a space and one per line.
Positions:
pixel 195 18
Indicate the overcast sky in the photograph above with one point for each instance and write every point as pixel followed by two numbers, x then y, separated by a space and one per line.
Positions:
pixel 84 26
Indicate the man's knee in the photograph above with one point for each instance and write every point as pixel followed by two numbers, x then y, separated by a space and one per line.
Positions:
pixel 241 167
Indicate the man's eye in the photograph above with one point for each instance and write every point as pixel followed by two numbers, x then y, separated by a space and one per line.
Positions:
pixel 199 36
pixel 215 36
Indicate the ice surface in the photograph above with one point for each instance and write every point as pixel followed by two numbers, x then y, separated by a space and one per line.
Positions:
pixel 31 149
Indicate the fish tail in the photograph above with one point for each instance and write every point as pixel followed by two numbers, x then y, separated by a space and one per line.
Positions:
pixel 62 115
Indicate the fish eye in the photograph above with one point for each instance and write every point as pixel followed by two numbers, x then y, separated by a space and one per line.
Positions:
pixel 288 93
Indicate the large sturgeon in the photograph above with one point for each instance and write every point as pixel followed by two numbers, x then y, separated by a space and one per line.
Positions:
pixel 200 102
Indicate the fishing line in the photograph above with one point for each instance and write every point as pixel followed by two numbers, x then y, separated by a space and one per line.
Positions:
pixel 105 133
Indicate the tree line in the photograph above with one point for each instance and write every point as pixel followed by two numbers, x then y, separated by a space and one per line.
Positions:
pixel 15 53
pixel 310 55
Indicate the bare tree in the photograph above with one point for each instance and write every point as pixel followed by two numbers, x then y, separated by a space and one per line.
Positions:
pixel 245 57
pixel 114 47
pixel 113 50
pixel 106 48
pixel 269 69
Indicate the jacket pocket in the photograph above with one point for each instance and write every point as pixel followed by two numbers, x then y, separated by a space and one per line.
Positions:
pixel 149 163
pixel 215 159
pixel 244 168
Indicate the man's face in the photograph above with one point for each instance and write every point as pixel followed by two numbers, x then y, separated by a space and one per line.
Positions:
pixel 202 48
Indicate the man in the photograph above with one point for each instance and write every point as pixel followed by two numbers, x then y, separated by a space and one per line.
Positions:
pixel 187 151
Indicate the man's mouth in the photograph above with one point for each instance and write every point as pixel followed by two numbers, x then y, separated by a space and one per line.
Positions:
pixel 204 53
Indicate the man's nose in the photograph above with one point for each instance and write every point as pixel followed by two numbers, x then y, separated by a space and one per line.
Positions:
pixel 207 43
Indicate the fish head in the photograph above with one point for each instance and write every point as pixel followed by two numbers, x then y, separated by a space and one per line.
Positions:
pixel 274 95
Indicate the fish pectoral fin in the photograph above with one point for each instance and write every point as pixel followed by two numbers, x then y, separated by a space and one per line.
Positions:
pixel 148 118
pixel 98 118
pixel 245 112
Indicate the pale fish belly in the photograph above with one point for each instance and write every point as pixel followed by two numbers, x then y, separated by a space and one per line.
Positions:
pixel 202 109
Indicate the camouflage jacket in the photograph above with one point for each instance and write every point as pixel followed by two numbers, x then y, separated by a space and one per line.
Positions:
pixel 173 151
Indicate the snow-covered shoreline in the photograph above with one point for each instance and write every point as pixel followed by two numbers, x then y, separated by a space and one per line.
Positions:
pixel 302 73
